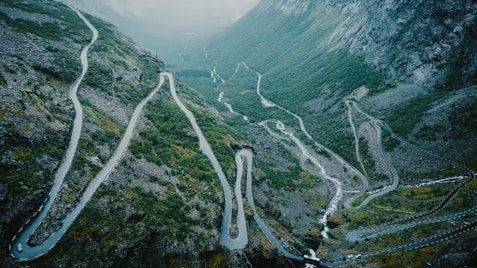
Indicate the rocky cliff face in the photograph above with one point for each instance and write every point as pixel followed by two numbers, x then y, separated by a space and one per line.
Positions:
pixel 314 53
pixel 428 43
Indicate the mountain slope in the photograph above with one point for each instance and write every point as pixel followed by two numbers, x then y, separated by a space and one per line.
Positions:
pixel 162 204
pixel 368 120
pixel 415 42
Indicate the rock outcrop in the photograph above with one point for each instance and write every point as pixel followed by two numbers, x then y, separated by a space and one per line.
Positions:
pixel 428 43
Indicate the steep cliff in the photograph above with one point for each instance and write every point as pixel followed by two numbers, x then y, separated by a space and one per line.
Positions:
pixel 425 43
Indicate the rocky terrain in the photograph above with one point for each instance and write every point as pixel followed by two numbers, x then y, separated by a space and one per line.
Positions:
pixel 427 43
pixel 430 44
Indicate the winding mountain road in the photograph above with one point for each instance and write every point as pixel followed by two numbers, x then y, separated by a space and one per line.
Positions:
pixel 376 124
pixel 241 240
pixel 395 176
pixel 20 250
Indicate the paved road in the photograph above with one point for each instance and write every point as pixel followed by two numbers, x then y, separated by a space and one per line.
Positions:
pixel 363 176
pixel 395 176
pixel 333 205
pixel 241 240
pixel 20 240
pixel 20 249
pixel 350 105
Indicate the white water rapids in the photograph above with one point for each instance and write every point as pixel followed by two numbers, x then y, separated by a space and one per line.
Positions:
pixel 306 155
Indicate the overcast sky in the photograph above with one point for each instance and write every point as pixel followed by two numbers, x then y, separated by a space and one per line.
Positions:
pixel 167 19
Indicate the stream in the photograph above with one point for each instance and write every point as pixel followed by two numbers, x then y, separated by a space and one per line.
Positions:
pixel 21 250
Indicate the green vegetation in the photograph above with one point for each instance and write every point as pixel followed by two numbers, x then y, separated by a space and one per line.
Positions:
pixel 471 161
pixel 169 213
pixel 307 179
pixel 369 217
pixel 430 133
pixel 293 77
pixel 27 170
pixel 174 214
pixel 193 73
pixel 3 81
pixel 173 142
pixel 119 56
pixel 68 22
pixel 99 77
pixel 360 200
pixel 403 117
pixel 366 157
pixel 449 171
pixel 53 73
pixel 136 214
pixel 336 135
pixel 169 123
pixel 389 141
pixel 464 118
pixel 280 179
pixel 425 193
